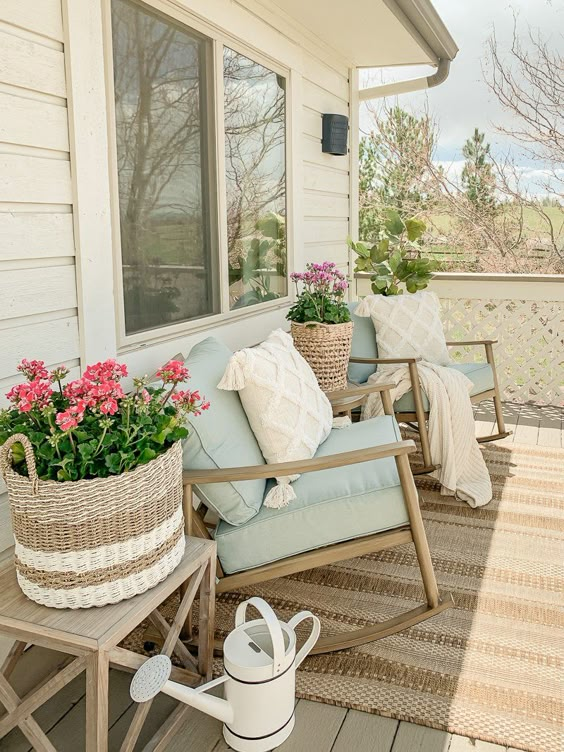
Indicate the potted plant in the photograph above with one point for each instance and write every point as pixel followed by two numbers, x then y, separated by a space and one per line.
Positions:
pixel 395 261
pixel 94 479
pixel 321 323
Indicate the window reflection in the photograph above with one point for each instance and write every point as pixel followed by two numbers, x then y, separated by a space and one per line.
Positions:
pixel 161 132
pixel 256 180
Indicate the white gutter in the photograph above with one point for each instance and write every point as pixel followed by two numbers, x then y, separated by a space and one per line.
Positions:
pixel 412 84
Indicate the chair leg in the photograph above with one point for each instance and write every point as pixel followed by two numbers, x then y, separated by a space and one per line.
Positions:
pixel 428 465
pixel 418 531
pixel 502 433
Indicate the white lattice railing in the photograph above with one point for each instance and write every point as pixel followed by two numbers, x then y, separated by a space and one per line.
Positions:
pixel 523 312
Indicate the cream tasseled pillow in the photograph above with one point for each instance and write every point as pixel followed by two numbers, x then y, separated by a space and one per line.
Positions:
pixel 289 414
pixel 407 326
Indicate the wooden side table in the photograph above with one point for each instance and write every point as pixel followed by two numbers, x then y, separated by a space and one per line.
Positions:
pixel 93 635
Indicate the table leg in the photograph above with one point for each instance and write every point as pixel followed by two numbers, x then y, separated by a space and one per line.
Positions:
pixel 168 647
pixel 12 658
pixel 97 684
pixel 29 727
pixel 207 621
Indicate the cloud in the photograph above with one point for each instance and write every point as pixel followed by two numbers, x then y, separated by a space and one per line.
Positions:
pixel 464 101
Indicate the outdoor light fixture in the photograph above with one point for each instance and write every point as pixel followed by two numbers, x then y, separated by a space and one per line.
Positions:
pixel 335 132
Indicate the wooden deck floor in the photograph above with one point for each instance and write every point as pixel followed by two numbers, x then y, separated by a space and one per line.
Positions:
pixel 319 728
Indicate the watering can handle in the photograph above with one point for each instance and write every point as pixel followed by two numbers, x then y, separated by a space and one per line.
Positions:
pixel 273 627
pixel 312 639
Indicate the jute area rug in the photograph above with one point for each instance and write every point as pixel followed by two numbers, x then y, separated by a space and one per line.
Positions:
pixel 489 669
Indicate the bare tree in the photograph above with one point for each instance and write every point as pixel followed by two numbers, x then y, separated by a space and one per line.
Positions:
pixel 529 83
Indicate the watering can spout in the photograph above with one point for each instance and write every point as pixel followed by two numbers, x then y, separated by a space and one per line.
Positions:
pixel 152 678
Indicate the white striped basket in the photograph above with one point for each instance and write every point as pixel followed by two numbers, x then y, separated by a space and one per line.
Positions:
pixel 92 542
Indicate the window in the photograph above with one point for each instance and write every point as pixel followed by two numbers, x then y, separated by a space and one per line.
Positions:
pixel 181 257
pixel 254 106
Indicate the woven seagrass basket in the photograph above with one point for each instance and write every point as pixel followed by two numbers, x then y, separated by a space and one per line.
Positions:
pixel 327 349
pixel 92 542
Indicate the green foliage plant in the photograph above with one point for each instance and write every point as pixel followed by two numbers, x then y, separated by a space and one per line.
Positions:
pixel 395 261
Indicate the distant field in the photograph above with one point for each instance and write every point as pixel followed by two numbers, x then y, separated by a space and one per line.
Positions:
pixel 534 224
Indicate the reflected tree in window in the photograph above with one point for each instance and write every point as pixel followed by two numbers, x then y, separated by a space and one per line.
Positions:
pixel 161 134
pixel 255 103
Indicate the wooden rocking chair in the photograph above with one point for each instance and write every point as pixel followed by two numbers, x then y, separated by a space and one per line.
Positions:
pixel 324 524
pixel 413 407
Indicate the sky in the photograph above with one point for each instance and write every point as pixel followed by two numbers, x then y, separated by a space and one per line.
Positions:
pixel 464 101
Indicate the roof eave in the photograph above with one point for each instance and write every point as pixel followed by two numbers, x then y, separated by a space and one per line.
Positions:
pixel 424 24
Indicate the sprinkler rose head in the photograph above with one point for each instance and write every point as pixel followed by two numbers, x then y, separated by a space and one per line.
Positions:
pixel 150 678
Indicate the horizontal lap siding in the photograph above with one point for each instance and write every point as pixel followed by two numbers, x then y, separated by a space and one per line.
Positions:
pixel 38 297
pixel 326 177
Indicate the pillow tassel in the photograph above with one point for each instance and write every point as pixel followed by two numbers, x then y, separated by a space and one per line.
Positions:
pixel 234 377
pixel 280 496
pixel 363 308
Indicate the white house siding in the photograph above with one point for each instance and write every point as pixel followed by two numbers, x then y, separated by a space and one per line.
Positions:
pixel 41 299
pixel 38 300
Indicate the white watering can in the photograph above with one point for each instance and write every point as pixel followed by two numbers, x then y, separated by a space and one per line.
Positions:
pixel 260 664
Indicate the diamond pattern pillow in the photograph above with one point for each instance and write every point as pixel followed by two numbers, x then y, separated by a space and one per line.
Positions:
pixel 289 414
pixel 407 326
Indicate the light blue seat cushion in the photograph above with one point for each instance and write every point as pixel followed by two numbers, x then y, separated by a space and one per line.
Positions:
pixel 480 374
pixel 221 437
pixel 363 346
pixel 332 505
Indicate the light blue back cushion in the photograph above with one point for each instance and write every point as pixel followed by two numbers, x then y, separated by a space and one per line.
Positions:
pixel 221 437
pixel 363 346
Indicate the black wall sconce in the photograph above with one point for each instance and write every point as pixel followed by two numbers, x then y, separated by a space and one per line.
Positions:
pixel 335 133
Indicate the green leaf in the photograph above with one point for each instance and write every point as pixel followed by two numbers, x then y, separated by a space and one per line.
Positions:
pixel 86 450
pixel 178 434
pixel 361 250
pixel 415 228
pixel 18 454
pixel 146 455
pixel 113 462
pixel 394 260
pixel 394 224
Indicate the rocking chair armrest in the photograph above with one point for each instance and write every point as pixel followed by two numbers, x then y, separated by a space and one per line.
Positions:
pixel 356 391
pixel 473 342
pixel 376 361
pixel 297 467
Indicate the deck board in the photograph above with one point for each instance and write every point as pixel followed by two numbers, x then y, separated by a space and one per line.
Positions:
pixel 412 738
pixel 551 429
pixel 462 744
pixel 364 731
pixel 319 728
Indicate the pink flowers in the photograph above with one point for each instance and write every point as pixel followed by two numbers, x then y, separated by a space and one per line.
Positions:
pixel 33 369
pixel 322 278
pixel 190 402
pixel 98 388
pixel 33 394
pixel 70 418
pixel 108 371
pixel 173 372
pixel 91 427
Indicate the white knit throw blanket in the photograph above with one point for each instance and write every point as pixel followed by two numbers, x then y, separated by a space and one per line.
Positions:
pixel 463 472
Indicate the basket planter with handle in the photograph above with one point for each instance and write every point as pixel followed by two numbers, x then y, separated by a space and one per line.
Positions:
pixel 95 541
pixel 327 349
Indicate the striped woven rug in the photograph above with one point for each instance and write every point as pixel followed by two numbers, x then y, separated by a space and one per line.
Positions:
pixel 491 668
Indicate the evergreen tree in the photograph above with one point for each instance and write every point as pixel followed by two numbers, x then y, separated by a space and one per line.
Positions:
pixel 478 179
pixel 393 168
